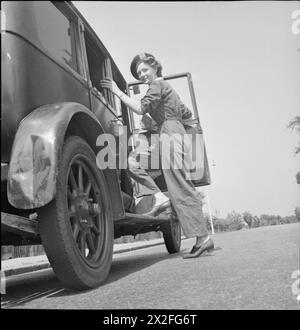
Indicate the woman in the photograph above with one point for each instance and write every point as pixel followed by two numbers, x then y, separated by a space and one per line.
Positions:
pixel 164 106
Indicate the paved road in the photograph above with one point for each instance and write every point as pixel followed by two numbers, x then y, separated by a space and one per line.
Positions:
pixel 250 269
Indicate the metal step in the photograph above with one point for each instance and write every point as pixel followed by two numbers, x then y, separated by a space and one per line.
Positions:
pixel 133 218
pixel 19 225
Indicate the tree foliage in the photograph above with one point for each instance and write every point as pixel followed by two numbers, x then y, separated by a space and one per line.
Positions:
pixel 294 124
pixel 237 221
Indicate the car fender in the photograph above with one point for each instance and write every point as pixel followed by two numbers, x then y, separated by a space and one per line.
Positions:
pixel 36 150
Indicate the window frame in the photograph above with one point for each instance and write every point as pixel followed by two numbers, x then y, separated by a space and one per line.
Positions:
pixel 87 34
pixel 194 121
pixel 72 19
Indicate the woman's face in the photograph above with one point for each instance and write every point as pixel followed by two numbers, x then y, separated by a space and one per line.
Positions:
pixel 146 73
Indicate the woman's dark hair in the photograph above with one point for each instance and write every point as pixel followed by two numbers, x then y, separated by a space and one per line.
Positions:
pixel 147 59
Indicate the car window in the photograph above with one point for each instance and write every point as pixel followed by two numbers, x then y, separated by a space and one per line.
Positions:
pixel 182 88
pixel 54 32
pixel 99 68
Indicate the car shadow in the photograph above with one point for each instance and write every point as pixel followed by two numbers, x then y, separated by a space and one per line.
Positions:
pixel 122 268
pixel 47 285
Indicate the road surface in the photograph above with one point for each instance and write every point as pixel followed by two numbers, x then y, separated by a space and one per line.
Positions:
pixel 249 269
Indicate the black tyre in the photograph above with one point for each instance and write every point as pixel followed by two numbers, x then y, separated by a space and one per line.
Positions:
pixel 77 227
pixel 172 235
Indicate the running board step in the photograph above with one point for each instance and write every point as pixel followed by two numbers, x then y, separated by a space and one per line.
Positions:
pixel 139 218
pixel 19 225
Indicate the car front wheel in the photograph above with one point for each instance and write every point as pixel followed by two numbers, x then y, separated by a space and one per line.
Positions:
pixel 77 227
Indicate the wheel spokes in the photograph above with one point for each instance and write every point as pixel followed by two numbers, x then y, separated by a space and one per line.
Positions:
pixel 85 210
pixel 88 189
pixel 80 177
pixel 82 242
pixel 95 229
pixel 76 231
pixel 90 243
pixel 70 195
pixel 72 180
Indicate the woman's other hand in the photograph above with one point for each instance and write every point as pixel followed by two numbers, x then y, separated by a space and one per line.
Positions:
pixel 111 85
pixel 134 105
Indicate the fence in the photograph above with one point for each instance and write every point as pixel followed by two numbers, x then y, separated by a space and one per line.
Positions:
pixel 10 251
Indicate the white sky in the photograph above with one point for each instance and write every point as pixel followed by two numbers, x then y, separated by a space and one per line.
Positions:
pixel 246 72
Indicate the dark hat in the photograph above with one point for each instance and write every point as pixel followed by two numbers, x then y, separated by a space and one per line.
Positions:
pixel 143 57
pixel 134 64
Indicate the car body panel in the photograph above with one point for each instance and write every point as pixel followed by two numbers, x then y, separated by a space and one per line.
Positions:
pixel 36 151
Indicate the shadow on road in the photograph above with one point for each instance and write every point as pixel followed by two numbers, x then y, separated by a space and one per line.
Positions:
pixel 46 285
pixel 126 266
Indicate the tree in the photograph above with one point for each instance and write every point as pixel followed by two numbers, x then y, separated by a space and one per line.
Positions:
pixel 248 218
pixel 256 222
pixel 270 220
pixel 297 213
pixel 294 124
pixel 220 224
pixel 235 221
pixel 298 178
pixel 288 219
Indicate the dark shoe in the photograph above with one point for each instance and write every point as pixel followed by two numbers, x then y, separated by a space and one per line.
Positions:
pixel 158 209
pixel 194 249
pixel 198 250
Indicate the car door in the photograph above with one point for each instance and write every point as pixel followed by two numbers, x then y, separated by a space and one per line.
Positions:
pixel 199 172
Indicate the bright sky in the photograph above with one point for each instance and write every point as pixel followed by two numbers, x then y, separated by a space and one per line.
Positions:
pixel 246 72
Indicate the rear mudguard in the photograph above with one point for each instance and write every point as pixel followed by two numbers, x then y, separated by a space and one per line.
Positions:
pixel 36 150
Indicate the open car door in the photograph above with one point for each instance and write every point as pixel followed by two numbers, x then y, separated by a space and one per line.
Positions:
pixel 199 172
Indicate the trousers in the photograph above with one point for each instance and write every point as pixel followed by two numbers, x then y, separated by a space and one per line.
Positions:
pixel 185 199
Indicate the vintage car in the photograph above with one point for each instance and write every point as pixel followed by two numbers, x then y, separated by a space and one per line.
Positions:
pixel 53 112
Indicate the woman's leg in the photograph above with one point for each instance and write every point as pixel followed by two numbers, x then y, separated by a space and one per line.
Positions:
pixel 141 176
pixel 184 197
pixel 187 204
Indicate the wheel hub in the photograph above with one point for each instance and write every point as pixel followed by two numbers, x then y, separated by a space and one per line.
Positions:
pixel 83 208
pixel 86 209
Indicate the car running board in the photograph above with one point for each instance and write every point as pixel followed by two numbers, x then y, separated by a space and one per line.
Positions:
pixel 19 225
pixel 140 218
